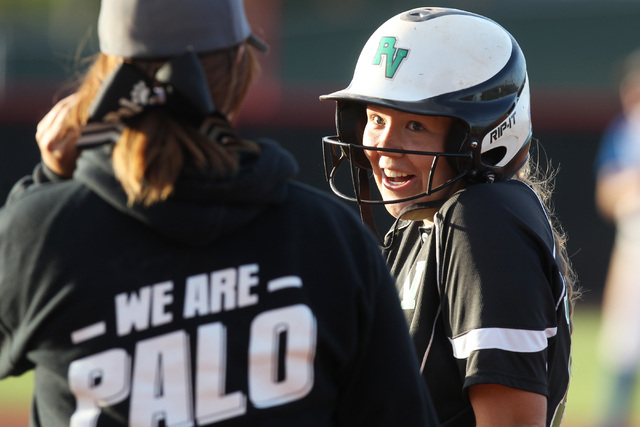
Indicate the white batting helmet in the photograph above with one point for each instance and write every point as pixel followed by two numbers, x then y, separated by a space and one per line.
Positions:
pixel 441 62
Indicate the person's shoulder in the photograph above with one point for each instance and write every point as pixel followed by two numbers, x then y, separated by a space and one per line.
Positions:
pixel 494 200
pixel 503 191
pixel 40 175
pixel 314 199
pixel 326 212
pixel 502 210
pixel 35 202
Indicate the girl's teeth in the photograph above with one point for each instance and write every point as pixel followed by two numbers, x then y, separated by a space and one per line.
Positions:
pixel 394 174
pixel 397 177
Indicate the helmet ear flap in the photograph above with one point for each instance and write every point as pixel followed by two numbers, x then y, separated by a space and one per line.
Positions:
pixel 351 118
pixel 455 143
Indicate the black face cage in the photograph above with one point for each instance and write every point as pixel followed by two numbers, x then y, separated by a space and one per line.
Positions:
pixel 336 152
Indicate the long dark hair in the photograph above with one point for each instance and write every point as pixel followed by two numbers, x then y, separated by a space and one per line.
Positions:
pixel 540 175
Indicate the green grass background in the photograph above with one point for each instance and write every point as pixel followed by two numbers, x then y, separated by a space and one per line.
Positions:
pixel 587 387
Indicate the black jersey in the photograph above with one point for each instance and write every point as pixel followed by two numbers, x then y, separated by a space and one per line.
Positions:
pixel 249 301
pixel 485 299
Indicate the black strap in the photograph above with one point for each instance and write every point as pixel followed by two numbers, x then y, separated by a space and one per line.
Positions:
pixel 366 213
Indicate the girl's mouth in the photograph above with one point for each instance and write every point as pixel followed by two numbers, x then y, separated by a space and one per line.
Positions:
pixel 394 179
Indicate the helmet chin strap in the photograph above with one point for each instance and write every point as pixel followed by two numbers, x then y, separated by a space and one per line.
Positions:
pixel 366 212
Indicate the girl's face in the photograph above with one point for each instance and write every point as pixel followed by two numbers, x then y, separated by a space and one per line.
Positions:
pixel 400 175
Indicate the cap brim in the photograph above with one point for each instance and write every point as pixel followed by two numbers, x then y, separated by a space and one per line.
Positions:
pixel 258 43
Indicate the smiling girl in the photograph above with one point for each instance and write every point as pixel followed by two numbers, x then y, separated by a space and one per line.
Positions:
pixel 438 114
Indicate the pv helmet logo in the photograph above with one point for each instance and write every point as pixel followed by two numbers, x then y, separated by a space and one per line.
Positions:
pixel 394 56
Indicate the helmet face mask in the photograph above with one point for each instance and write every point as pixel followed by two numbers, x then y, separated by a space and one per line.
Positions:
pixel 439 62
pixel 337 152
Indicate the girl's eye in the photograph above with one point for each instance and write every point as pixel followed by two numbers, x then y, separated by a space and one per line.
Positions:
pixel 376 119
pixel 415 126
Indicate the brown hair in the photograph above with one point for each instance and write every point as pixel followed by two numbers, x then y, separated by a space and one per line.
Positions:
pixel 542 181
pixel 154 147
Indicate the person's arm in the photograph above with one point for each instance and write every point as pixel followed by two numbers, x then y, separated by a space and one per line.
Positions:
pixel 57 149
pixel 618 193
pixel 499 406
pixel 501 301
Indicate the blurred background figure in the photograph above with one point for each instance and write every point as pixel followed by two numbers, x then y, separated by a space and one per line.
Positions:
pixel 617 195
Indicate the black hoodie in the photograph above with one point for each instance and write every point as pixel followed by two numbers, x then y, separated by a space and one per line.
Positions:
pixel 251 301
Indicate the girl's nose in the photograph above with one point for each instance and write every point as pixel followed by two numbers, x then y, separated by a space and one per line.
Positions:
pixel 390 139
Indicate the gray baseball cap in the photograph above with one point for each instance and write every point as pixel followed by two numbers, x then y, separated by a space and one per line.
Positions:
pixel 165 28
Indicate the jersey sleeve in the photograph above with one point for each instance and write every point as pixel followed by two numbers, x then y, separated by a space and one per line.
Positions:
pixel 501 288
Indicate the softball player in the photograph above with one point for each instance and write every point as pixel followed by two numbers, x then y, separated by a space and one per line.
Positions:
pixel 617 196
pixel 438 114
pixel 180 277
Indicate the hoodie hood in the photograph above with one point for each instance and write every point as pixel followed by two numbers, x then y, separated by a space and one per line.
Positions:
pixel 201 207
